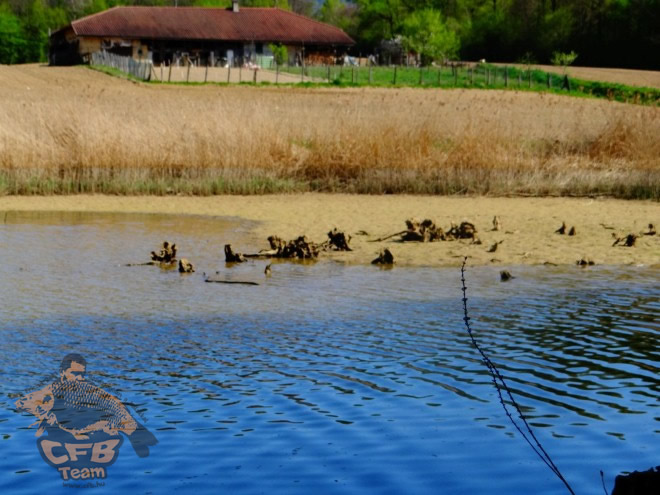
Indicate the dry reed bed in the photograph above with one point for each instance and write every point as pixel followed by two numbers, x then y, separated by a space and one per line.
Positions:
pixel 72 129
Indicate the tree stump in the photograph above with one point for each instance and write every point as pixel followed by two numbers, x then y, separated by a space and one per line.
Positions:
pixel 166 255
pixel 339 240
pixel 185 266
pixel 232 257
pixel 384 258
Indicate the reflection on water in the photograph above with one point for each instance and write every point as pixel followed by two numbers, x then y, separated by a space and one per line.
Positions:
pixel 326 378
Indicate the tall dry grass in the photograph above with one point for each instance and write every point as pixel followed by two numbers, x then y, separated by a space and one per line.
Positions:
pixel 67 130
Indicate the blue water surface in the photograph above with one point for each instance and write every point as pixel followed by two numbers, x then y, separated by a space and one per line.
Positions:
pixel 326 378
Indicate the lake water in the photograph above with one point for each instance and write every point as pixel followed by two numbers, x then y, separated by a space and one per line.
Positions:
pixel 325 378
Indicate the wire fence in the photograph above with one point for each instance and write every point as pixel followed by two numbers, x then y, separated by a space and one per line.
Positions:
pixel 140 69
pixel 453 75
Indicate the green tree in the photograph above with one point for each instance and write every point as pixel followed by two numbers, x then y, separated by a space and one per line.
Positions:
pixel 35 29
pixel 340 14
pixel 280 53
pixel 563 59
pixel 212 3
pixel 381 19
pixel 12 42
pixel 282 4
pixel 94 6
pixel 425 33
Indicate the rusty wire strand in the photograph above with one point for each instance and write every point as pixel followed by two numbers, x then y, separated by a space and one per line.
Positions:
pixel 501 385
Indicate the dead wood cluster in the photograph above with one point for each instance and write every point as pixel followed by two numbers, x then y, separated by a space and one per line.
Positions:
pixel 428 231
pixel 627 241
pixel 167 254
pixel 338 241
pixel 300 248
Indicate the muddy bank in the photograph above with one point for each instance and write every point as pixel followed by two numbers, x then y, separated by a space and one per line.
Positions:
pixel 526 232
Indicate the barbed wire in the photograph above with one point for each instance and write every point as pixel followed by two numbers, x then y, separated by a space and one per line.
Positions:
pixel 503 390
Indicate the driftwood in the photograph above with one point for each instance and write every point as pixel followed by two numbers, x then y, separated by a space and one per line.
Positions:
pixel 338 240
pixel 627 241
pixel 185 266
pixel 493 248
pixel 301 248
pixel 384 258
pixel 232 257
pixel 166 255
pixel 238 282
pixel 465 230
pixel 426 231
pixel 388 236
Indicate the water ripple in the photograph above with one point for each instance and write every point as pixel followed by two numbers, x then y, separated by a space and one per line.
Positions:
pixel 326 377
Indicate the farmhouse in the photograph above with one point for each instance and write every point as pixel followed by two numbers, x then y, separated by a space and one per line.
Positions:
pixel 204 35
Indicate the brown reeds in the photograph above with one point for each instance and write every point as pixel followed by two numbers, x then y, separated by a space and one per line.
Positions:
pixel 70 130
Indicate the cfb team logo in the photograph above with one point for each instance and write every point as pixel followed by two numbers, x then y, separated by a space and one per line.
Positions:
pixel 83 424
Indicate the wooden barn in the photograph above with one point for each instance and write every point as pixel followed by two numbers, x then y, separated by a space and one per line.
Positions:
pixel 204 35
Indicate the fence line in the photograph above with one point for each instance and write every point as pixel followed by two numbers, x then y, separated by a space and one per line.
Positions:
pixel 458 75
pixel 140 69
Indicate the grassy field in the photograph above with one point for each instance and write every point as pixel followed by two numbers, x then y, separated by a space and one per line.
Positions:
pixel 71 130
pixel 489 76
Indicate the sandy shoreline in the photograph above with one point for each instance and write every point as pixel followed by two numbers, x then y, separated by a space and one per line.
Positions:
pixel 528 224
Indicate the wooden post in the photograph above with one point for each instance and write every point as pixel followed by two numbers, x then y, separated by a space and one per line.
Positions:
pixel 440 75
pixel 255 76
pixel 188 72
pixel 357 72
pixel 455 76
pixel 549 82
pixel 421 75
pixel 370 79
pixel 240 74
pixel 277 73
pixel 161 71
pixel 506 76
pixel 206 72
pixel 228 73
pixel 394 76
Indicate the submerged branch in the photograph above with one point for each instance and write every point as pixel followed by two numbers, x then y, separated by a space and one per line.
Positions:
pixel 501 385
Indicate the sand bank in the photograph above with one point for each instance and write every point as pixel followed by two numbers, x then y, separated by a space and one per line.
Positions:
pixel 527 232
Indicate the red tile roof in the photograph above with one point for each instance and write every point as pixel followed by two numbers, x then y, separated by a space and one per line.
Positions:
pixel 198 23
